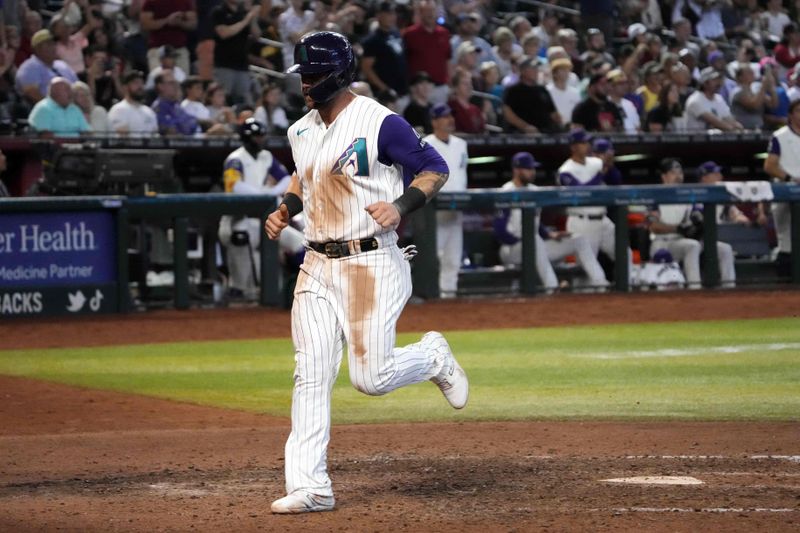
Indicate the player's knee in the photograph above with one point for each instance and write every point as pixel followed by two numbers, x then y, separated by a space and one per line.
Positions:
pixel 368 388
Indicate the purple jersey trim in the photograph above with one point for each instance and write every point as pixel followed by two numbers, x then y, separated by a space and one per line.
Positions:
pixel 569 180
pixel 775 146
pixel 398 143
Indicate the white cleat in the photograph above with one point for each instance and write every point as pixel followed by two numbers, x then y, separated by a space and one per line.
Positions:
pixel 303 502
pixel 451 380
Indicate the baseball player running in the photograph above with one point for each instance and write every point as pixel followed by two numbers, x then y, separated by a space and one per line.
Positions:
pixel 783 164
pixel 449 224
pixel 550 245
pixel 352 155
pixel 250 169
pixel 580 170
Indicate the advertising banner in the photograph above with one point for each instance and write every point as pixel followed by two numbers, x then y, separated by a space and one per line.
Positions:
pixel 57 263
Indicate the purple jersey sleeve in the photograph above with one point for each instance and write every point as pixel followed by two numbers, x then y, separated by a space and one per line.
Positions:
pixel 277 170
pixel 774 146
pixel 500 226
pixel 398 143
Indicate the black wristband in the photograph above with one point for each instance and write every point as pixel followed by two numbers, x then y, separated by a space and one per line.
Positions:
pixel 293 203
pixel 409 201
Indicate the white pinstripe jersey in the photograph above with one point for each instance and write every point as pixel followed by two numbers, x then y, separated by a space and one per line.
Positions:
pixel 340 174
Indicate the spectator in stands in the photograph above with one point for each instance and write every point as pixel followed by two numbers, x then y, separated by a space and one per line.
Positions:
pixel 548 28
pixel 466 58
pixel 32 24
pixel 292 25
pixel 172 118
pixel 705 16
pixel 468 29
pixel 551 245
pixel 653 77
pixel 505 50
pixel 710 173
pixel 793 93
pixel 418 110
pixel 69 43
pixel 668 114
pixel 783 165
pixel 168 22
pixel 130 115
pixel 582 170
pixel 717 61
pixel 775 19
pixel 167 57
pixel 193 93
pixel 677 228
pixel 705 109
pixel 532 46
pixel 427 47
pixel 558 52
pixel 603 149
pixel 95 115
pixel 102 75
pixel 775 116
pixel 527 106
pixel 682 39
pixel 468 117
pixel 596 48
pixel 383 64
pixel 568 40
pixel 56 114
pixel 681 77
pixel 787 52
pixel 215 102
pixel 565 97
pixel 520 26
pixel 233 27
pixel 270 112
pixel 618 88
pixel 34 75
pixel 596 112
pixel 449 231
pixel 749 99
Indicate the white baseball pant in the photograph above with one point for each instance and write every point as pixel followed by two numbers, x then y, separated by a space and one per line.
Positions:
pixel 549 251
pixel 356 300
pixel 600 234
pixel 688 251
pixel 450 244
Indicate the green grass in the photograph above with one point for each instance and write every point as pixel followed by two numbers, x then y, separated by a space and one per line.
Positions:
pixel 591 372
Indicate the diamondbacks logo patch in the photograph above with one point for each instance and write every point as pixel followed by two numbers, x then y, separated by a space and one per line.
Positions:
pixel 355 156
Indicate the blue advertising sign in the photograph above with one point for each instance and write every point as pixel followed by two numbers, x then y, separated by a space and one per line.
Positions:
pixel 57 249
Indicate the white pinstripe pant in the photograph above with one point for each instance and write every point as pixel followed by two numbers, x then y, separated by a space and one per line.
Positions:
pixel 356 299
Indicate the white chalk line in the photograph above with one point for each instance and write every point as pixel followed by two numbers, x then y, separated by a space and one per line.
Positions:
pixel 789 458
pixel 702 510
pixel 694 350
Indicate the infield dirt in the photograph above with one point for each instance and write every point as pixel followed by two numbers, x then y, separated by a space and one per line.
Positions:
pixel 87 460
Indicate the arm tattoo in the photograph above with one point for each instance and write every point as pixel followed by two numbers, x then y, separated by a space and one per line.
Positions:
pixel 429 182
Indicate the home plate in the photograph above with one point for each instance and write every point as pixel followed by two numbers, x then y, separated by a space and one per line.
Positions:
pixel 656 480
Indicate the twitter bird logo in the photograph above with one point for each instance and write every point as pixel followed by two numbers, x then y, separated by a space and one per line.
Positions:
pixel 76 301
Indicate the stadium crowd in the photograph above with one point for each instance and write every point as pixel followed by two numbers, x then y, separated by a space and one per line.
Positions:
pixel 199 67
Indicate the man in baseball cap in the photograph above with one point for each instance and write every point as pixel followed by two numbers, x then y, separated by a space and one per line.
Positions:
pixel 603 149
pixel 34 74
pixel 551 245
pixel 706 109
pixel 583 170
pixel 449 224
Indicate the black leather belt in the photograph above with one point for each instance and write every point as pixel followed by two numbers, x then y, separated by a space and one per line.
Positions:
pixel 334 249
pixel 591 217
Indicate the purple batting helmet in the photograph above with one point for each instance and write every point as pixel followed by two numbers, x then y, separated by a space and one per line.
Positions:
pixel 325 52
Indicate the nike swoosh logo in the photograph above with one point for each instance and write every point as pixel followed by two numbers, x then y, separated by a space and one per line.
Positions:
pixel 300 132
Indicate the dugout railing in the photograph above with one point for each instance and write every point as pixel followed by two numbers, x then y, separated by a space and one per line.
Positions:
pixel 176 211
pixel 616 199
